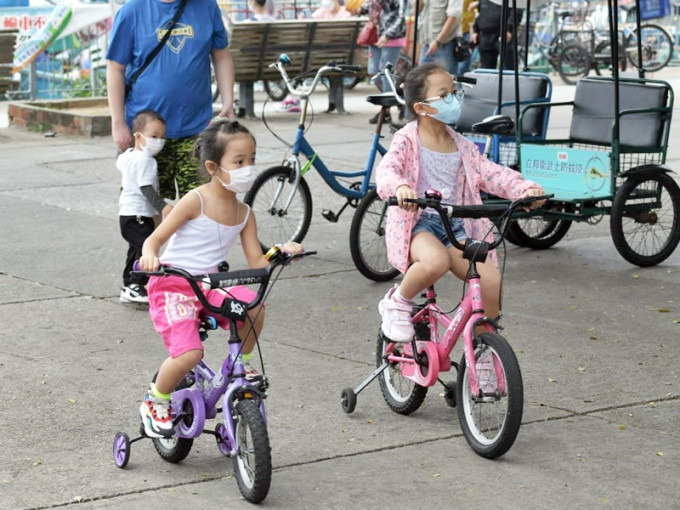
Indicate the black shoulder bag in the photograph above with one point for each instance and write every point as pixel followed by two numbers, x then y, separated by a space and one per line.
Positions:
pixel 156 50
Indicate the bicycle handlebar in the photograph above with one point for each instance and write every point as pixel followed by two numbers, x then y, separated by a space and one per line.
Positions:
pixel 476 211
pixel 224 279
pixel 331 67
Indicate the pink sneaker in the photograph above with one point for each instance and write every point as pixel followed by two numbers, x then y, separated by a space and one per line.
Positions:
pixel 396 318
pixel 289 105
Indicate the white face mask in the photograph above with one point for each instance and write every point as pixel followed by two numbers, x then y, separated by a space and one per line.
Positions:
pixel 153 145
pixel 240 179
pixel 327 5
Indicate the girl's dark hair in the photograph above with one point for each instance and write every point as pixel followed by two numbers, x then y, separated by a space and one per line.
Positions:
pixel 415 84
pixel 261 3
pixel 212 143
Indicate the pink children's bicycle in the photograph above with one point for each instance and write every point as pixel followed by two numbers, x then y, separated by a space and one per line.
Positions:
pixel 488 392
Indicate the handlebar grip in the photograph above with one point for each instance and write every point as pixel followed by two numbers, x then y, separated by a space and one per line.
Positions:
pixel 136 266
pixel 350 68
pixel 392 201
pixel 465 79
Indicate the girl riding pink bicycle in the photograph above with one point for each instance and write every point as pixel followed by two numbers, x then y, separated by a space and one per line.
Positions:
pixel 428 154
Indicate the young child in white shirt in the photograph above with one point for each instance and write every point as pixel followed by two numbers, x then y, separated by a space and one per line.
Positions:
pixel 139 200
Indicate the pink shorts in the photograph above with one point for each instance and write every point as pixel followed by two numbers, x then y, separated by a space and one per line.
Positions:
pixel 175 311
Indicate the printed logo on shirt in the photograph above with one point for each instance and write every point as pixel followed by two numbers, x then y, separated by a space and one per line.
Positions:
pixel 178 35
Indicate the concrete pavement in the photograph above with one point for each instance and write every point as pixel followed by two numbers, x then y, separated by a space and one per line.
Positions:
pixel 597 341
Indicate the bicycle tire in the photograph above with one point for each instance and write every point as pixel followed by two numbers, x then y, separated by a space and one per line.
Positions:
pixel 275 226
pixel 402 395
pixel 175 449
pixel 572 63
pixel 540 234
pixel 602 59
pixel 276 89
pixel 367 239
pixel 253 461
pixel 644 230
pixel 489 433
pixel 657 47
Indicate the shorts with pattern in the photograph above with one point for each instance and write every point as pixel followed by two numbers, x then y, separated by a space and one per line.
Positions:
pixel 175 311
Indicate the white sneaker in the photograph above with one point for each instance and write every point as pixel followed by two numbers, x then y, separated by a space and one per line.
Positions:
pixel 396 318
pixel 156 415
pixel 133 293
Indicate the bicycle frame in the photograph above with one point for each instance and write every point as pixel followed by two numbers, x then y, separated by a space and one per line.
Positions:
pixel 210 387
pixel 468 315
pixel 302 146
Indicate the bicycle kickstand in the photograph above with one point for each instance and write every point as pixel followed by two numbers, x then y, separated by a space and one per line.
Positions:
pixel 349 395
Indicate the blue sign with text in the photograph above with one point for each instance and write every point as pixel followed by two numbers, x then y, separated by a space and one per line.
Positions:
pixel 568 173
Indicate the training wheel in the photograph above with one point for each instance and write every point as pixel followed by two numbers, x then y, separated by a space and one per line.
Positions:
pixel 121 449
pixel 349 400
pixel 222 441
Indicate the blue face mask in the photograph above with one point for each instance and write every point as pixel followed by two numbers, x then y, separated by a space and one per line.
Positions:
pixel 448 109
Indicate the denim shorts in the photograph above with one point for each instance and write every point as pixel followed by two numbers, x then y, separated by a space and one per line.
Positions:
pixel 432 223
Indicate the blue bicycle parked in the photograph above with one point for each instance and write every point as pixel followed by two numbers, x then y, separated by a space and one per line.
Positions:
pixel 281 198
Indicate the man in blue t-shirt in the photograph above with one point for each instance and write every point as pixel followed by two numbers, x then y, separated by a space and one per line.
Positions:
pixel 176 83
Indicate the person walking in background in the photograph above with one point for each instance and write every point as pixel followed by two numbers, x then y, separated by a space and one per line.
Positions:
pixel 438 24
pixel 176 82
pixel 390 18
pixel 262 10
pixel 486 33
pixel 331 9
pixel 139 201
pixel 467 20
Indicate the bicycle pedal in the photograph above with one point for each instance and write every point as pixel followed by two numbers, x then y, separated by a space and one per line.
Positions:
pixel 329 215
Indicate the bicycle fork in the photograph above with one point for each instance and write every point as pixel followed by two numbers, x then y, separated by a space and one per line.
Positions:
pixel 294 180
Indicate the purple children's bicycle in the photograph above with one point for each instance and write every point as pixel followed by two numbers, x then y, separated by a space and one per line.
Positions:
pixel 488 392
pixel 242 431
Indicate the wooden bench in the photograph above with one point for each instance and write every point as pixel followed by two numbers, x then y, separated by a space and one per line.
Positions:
pixel 8 38
pixel 309 44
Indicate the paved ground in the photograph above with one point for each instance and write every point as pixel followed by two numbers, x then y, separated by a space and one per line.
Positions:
pixel 597 341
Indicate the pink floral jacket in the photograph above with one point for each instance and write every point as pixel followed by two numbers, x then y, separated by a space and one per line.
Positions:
pixel 401 166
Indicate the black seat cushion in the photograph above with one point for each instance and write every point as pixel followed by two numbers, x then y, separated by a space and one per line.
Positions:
pixel 481 100
pixel 593 114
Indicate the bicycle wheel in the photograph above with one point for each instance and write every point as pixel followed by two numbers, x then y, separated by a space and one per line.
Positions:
pixel 402 395
pixel 602 59
pixel 367 239
pixel 657 48
pixel 268 197
pixel 175 449
pixel 491 422
pixel 537 233
pixel 253 462
pixel 276 89
pixel 645 219
pixel 572 63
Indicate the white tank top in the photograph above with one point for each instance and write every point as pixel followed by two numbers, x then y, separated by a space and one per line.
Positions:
pixel 201 244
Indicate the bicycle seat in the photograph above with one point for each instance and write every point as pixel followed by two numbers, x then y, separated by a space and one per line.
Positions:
pixel 494 125
pixel 565 13
pixel 384 99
